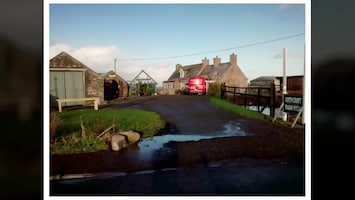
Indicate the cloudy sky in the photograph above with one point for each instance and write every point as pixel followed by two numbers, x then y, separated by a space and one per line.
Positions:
pixel 155 37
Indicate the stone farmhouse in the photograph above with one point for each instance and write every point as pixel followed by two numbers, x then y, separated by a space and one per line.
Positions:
pixel 218 72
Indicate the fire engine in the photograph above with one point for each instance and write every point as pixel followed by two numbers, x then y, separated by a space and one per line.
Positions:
pixel 195 85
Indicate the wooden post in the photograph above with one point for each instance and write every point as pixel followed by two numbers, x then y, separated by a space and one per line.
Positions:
pixel 278 112
pixel 258 99
pixel 234 94
pixel 223 90
pixel 272 99
pixel 59 105
pixel 298 116
pixel 245 97
pixel 96 104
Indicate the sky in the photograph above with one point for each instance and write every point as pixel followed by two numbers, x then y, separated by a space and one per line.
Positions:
pixel 155 37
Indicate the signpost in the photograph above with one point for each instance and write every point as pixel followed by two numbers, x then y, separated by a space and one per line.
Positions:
pixel 292 103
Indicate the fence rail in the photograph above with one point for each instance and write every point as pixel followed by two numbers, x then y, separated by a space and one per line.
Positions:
pixel 262 97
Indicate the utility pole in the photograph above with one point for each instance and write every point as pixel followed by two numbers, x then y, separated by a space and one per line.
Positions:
pixel 284 83
pixel 115 66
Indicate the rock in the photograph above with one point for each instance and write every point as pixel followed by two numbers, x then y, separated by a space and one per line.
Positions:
pixel 118 142
pixel 132 136
pixel 122 139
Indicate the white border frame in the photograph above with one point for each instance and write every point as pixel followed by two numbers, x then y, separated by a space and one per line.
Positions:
pixel 307 95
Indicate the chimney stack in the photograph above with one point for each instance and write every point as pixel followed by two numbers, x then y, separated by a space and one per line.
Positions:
pixel 205 62
pixel 177 67
pixel 233 59
pixel 216 61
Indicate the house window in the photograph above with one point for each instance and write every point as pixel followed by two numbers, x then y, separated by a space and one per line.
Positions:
pixel 181 71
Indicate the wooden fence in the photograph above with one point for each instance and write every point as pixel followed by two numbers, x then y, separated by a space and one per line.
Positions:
pixel 261 96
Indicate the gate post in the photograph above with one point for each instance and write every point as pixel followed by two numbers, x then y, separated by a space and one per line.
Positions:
pixel 272 99
pixel 223 90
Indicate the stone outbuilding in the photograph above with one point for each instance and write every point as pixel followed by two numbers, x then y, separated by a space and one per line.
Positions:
pixel 266 81
pixel 218 72
pixel 69 78
pixel 294 84
pixel 122 85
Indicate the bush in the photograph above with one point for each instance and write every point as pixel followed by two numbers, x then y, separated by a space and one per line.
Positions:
pixel 179 92
pixel 214 89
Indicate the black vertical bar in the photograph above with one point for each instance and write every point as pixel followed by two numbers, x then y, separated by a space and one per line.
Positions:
pixel 258 100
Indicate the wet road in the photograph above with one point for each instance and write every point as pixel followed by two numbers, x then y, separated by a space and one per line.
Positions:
pixel 231 177
pixel 191 114
pixel 199 164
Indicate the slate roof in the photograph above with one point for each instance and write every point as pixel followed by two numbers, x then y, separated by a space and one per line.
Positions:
pixel 111 72
pixel 192 70
pixel 265 78
pixel 64 60
pixel 220 69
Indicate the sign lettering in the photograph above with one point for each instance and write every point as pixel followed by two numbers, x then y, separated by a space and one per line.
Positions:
pixel 293 103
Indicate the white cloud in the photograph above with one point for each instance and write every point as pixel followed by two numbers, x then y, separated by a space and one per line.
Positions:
pixel 160 71
pixel 101 59
pixel 98 58
pixel 57 48
pixel 287 7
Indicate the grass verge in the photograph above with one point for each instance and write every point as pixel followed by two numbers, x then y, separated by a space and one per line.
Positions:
pixel 236 109
pixel 68 138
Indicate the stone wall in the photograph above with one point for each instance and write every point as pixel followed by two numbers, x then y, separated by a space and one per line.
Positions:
pixel 234 77
pixel 94 85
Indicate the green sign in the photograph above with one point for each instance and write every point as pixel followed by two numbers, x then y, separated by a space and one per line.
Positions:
pixel 293 103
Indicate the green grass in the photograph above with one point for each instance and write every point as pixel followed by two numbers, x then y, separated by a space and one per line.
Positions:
pixel 236 109
pixel 96 121
pixel 75 144
pixel 68 135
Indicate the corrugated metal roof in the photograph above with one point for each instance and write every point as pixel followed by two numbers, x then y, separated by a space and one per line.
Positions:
pixel 265 78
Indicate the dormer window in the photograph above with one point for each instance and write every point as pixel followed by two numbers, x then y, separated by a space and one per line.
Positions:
pixel 181 71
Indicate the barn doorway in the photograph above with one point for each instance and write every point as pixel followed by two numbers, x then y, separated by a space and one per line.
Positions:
pixel 111 90
pixel 66 85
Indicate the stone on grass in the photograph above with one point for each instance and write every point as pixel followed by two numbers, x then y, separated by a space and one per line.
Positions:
pixel 122 139
pixel 118 142
pixel 132 136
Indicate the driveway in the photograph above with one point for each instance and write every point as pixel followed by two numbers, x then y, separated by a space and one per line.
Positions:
pixel 188 114
pixel 246 157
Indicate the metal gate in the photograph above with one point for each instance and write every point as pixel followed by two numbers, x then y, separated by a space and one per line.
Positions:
pixel 67 84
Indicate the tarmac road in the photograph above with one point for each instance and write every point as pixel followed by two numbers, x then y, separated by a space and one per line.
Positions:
pixel 265 161
pixel 188 114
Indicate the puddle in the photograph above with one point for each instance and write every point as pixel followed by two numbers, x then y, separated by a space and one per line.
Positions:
pixel 145 149
pixel 147 146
